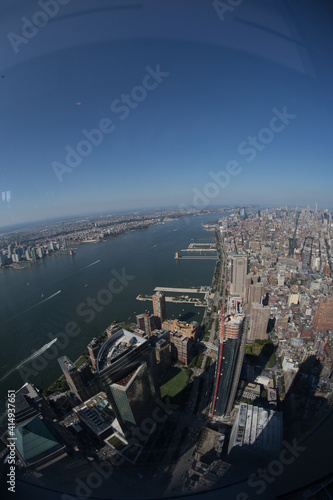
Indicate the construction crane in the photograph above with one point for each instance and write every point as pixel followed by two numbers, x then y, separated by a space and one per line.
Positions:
pixel 218 373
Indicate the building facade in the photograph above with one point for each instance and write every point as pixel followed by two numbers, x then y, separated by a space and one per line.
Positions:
pixel 231 355
pixel 159 306
pixel 148 322
pixel 81 381
pixel 127 369
pixel 180 347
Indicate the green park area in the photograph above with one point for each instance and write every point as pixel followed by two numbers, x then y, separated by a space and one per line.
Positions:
pixel 174 382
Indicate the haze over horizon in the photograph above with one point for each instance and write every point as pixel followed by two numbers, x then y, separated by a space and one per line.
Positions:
pixel 22 225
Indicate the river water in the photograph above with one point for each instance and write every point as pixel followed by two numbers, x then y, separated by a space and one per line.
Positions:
pixel 40 301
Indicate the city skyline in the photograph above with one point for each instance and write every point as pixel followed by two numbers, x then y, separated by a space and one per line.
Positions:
pixel 209 379
pixel 213 208
pixel 210 112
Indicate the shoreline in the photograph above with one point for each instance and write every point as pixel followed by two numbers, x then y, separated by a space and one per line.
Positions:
pixel 60 252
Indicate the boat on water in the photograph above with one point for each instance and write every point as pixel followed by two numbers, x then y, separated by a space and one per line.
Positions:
pixel 85 286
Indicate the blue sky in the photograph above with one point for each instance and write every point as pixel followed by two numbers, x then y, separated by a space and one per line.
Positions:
pixel 224 79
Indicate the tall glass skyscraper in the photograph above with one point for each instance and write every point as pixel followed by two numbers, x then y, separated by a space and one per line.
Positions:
pixel 126 365
pixel 231 354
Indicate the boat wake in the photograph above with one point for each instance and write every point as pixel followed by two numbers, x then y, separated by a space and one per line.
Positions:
pixel 48 298
pixel 89 265
pixel 30 358
pixel 33 307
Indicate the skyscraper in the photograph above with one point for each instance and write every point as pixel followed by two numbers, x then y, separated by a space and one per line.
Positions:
pixel 80 381
pixel 40 252
pixel 126 366
pixel 180 347
pixel 239 270
pixel 93 349
pixel 231 354
pixel 147 322
pixel 159 307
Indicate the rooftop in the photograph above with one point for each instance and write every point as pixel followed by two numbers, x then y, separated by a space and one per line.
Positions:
pixel 119 344
pixel 67 363
pixel 96 413
pixel 34 440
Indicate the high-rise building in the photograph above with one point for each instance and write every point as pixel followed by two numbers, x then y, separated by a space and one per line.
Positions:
pixel 93 349
pixel 80 381
pixel 180 347
pixel 259 321
pixel 257 429
pixel 40 252
pixel 19 251
pixel 10 249
pixel 127 369
pixel 112 329
pixel 160 339
pixel 33 254
pixel 147 322
pixel 159 306
pixel 231 355
pixel 239 270
pixel 163 355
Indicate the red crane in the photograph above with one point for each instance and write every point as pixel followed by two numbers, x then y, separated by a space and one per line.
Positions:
pixel 218 373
